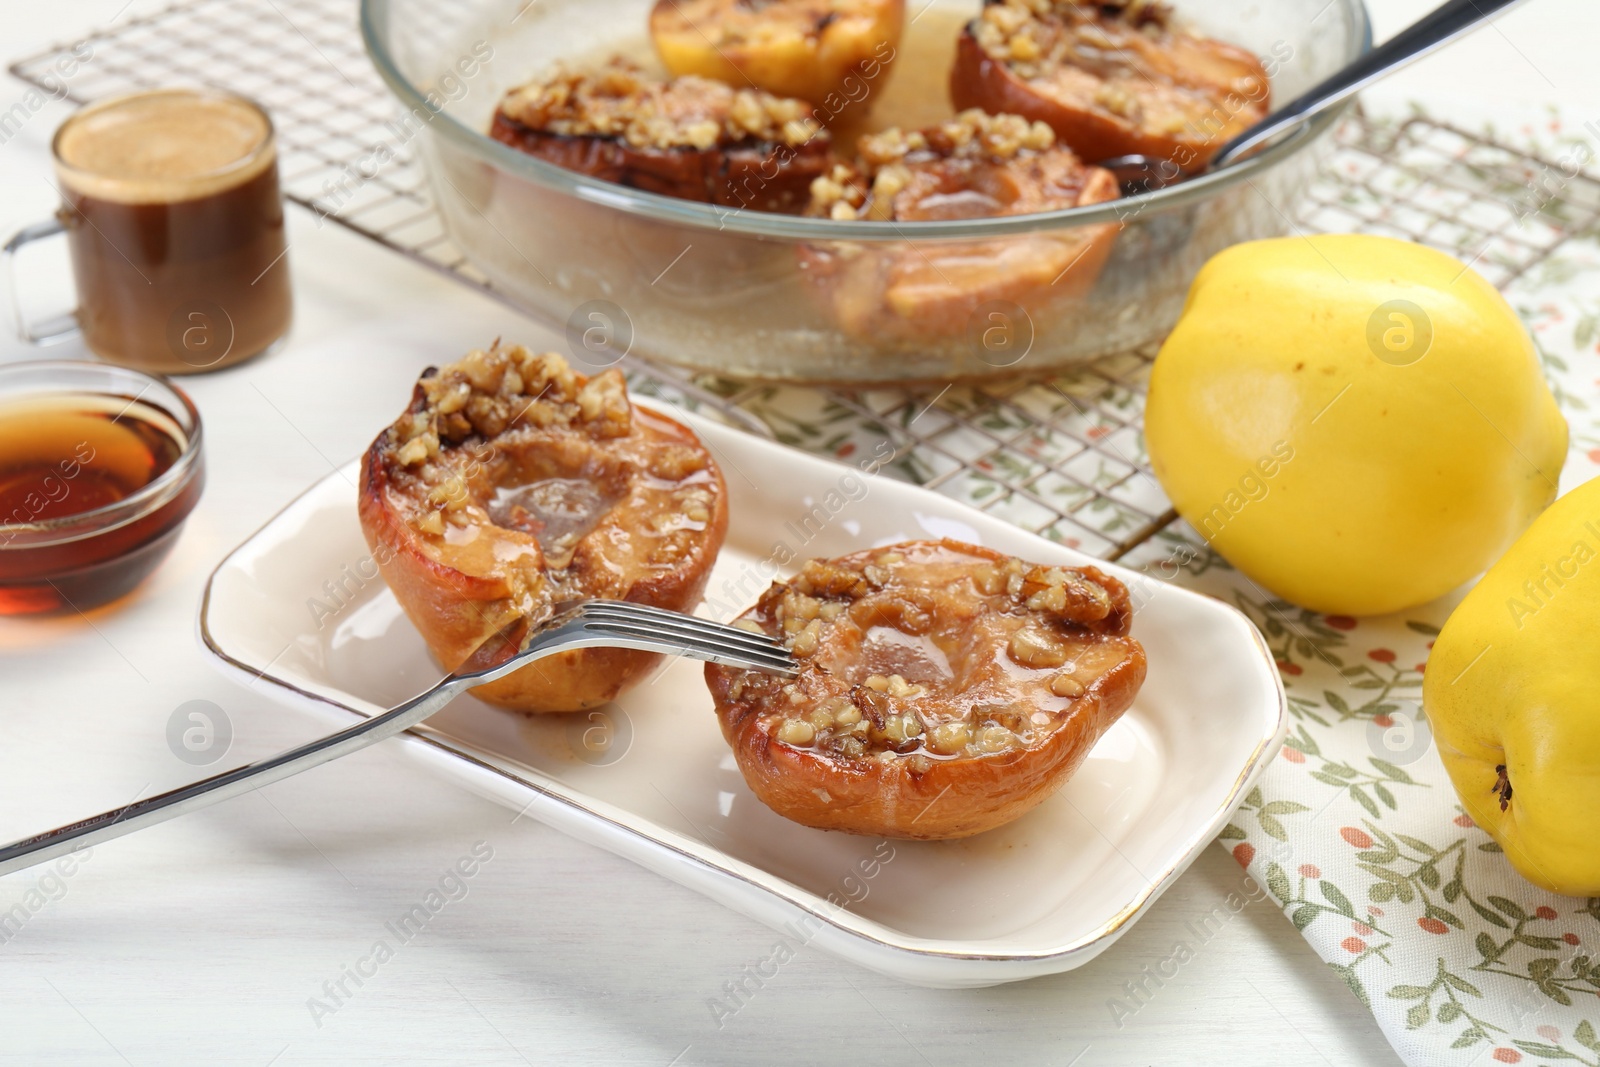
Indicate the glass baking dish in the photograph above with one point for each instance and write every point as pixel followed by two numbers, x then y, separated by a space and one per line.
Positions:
pixel 740 292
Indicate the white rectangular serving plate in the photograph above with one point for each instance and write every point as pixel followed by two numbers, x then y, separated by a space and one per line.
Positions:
pixel 298 611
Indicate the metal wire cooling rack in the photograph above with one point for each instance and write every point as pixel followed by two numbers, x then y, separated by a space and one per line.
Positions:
pixel 1062 457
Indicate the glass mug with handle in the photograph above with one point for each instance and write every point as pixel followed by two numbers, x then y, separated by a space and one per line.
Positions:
pixel 175 225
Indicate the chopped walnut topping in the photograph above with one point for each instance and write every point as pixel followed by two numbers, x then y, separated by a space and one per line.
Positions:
pixel 821 578
pixel 604 400
pixel 970 135
pixel 1117 100
pixel 675 462
pixel 895 160
pixel 1065 685
pixel 1033 646
pixel 418 450
pixel 1018 643
pixel 488 392
pixel 1035 35
pixel 622 102
pixel 840 193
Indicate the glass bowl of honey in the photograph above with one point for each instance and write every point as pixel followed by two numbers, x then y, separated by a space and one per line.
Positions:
pixel 99 468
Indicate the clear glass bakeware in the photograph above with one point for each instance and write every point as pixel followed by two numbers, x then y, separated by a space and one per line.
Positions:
pixel 740 292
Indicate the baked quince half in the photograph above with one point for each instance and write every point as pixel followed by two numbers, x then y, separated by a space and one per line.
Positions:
pixel 974 166
pixel 514 487
pixel 944 689
pixel 690 138
pixel 832 53
pixel 1112 77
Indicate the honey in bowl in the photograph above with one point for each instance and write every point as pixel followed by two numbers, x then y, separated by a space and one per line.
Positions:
pixel 94 489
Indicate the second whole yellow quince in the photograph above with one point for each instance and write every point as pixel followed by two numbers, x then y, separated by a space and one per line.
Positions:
pixel 1356 423
pixel 1513 693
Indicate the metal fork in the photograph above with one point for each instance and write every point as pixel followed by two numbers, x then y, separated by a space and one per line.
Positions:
pixel 595 624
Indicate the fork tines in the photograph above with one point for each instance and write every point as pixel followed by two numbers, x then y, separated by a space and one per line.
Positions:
pixel 699 637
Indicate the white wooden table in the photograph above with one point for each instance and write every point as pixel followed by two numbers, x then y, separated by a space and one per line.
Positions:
pixel 206 940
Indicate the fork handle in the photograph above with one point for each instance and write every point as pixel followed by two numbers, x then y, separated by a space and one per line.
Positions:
pixel 208 791
pixel 564 633
pixel 1429 33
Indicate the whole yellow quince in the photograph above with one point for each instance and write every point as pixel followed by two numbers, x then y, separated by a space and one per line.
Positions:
pixel 1356 423
pixel 1512 692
